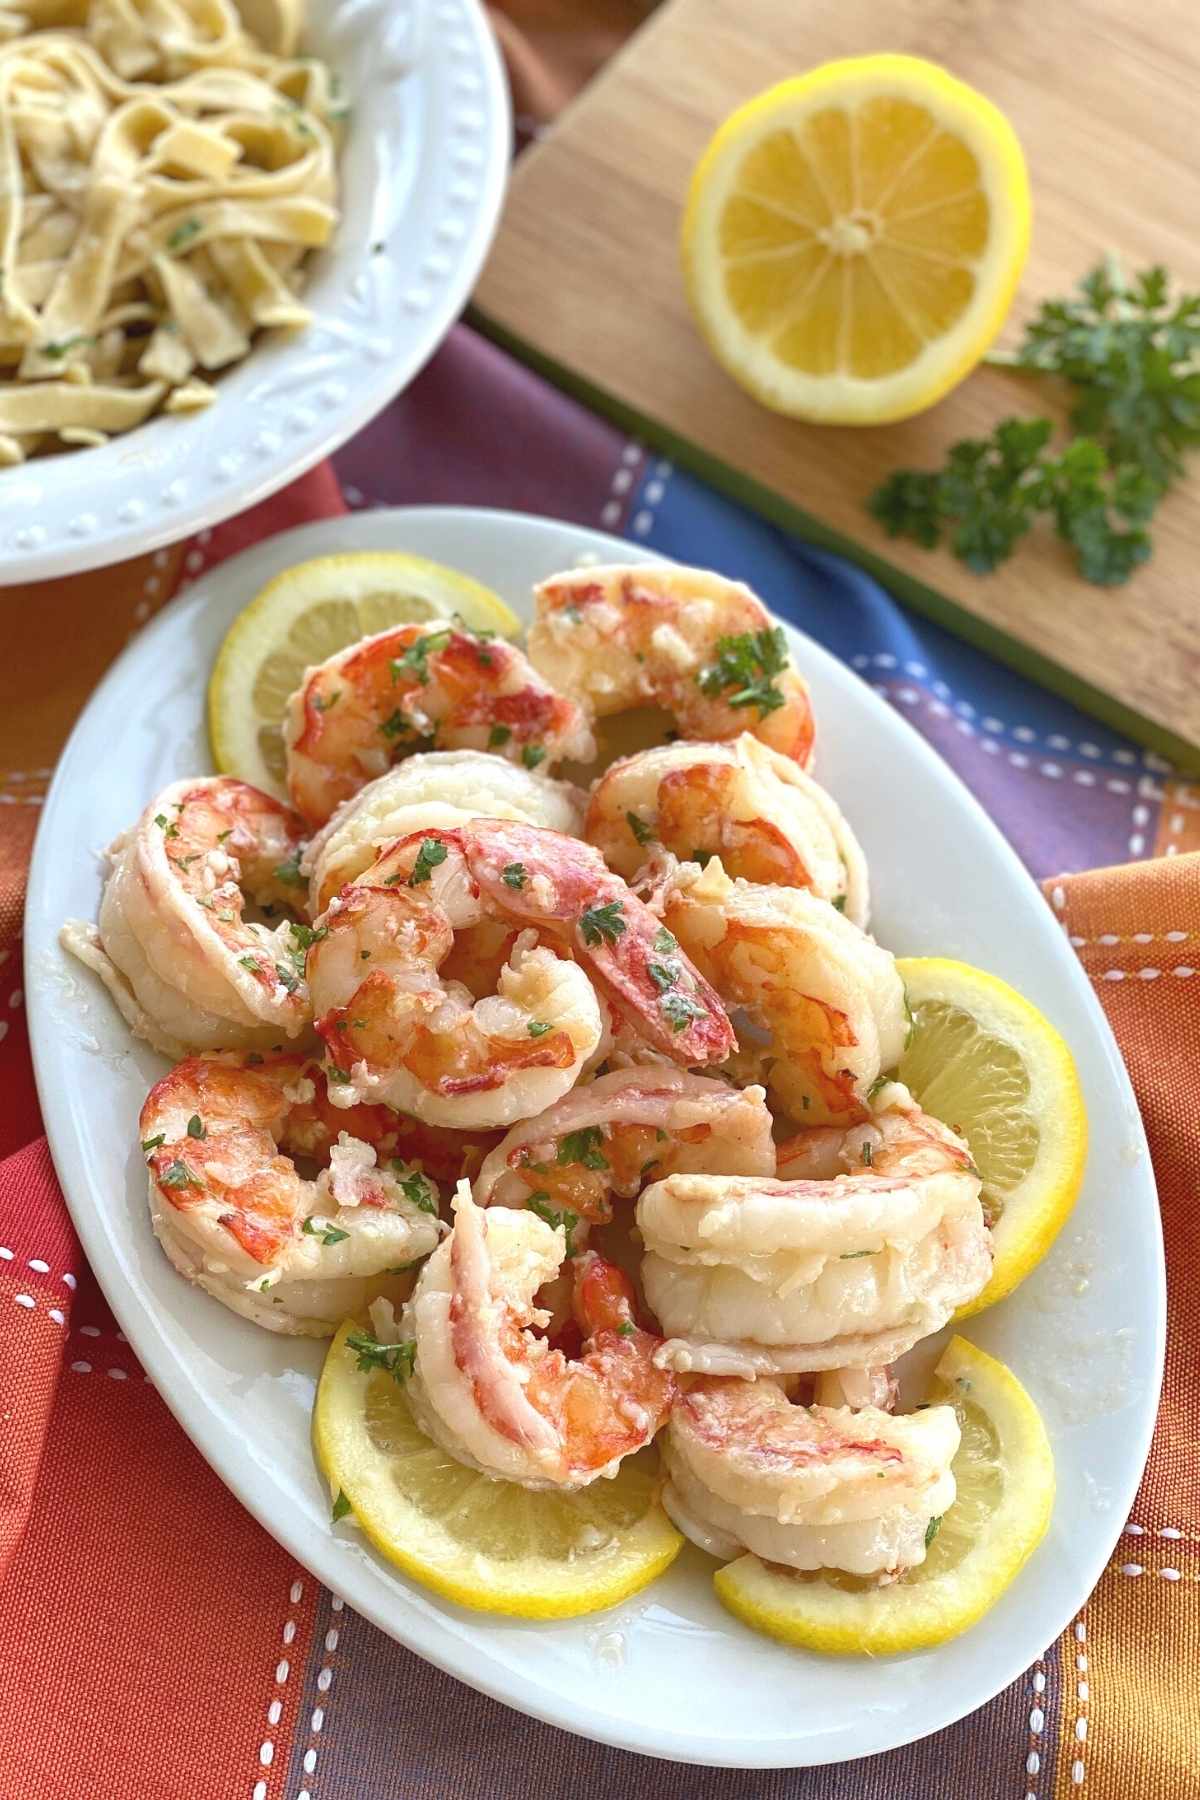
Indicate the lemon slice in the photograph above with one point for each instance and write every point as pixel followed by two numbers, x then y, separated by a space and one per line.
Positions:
pixel 304 616
pixel 987 1063
pixel 488 1544
pixel 1004 1473
pixel 853 238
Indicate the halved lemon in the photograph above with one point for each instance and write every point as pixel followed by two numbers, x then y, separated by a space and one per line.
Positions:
pixel 1004 1473
pixel 853 238
pixel 304 616
pixel 985 1061
pixel 488 1544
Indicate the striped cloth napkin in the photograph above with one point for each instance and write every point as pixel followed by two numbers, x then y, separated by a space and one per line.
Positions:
pixel 159 1646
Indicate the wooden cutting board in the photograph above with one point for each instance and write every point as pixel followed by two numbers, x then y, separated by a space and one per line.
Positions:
pixel 584 281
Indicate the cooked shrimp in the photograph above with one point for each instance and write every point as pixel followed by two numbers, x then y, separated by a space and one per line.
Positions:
pixel 235 1216
pixel 857 1388
pixel 609 1137
pixel 742 801
pixel 420 687
pixel 186 968
pixel 827 997
pixel 810 1487
pixel 850 1269
pixel 704 649
pixel 492 1392
pixel 439 787
pixel 400 1032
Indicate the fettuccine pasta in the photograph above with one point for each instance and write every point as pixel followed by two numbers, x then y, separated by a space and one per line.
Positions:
pixel 166 166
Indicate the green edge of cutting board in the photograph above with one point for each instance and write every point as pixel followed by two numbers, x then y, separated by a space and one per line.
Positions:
pixel 927 601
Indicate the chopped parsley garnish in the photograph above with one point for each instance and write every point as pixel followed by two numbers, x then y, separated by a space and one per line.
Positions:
pixel 498 736
pixel 602 924
pixel 745 669
pixel 395 724
pixel 839 903
pixel 626 1328
pixel 641 831
pixel 679 1008
pixel 514 875
pixel 251 963
pixel 867 1152
pixel 429 856
pixel 287 978
pixel 539 1203
pixel 306 936
pixel 664 943
pixel 849 1255
pixel 153 1143
pixel 532 755
pixel 177 1175
pixel 571 614
pixel 932 1529
pixel 289 872
pixel 63 346
pixel 333 1073
pixel 583 1147
pixel 912 1023
pixel 538 1028
pixel 661 976
pixel 877 1086
pixel 417 1189
pixel 168 829
pixel 340 1508
pixel 415 660
pixel 323 703
pixel 396 1359
pixel 328 1234
pixel 195 1127
pixel 222 836
pixel 183 235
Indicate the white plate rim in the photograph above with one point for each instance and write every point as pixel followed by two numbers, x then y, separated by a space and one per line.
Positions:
pixel 292 403
pixel 150 1343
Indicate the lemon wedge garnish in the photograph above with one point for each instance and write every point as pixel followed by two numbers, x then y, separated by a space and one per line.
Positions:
pixel 307 614
pixel 491 1545
pixel 987 1063
pixel 1004 1475
pixel 853 238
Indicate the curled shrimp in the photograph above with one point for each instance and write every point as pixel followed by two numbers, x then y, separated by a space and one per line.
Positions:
pixel 437 787
pixel 235 1216
pixel 173 946
pixel 758 811
pixel 399 1031
pixel 826 996
pixel 704 649
pixel 420 687
pixel 809 1487
pixel 492 1392
pixel 611 1136
pixel 848 1267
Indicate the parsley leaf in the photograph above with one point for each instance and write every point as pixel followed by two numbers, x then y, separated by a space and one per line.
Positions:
pixel 177 1175
pixel 641 831
pixel 415 660
pixel 932 1529
pixel 328 1234
pixel 183 235
pixel 532 755
pixel 583 1147
pixel 538 1028
pixel 664 943
pixel 679 1008
pixel 539 1203
pixel 429 856
pixel 602 924
pixel 416 1188
pixel 747 665
pixel 514 875
pixel 498 736
pixel 289 872
pixel 396 1359
pixel 153 1143
pixel 340 1508
pixel 195 1127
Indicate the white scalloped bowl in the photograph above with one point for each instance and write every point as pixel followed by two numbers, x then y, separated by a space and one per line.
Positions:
pixel 422 172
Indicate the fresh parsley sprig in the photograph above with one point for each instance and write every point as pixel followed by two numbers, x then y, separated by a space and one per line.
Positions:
pixel 1130 355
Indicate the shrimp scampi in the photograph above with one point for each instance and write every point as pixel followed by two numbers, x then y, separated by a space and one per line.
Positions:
pixel 185 966
pixel 840 1269
pixel 701 648
pixel 742 801
pixel 492 1391
pixel 398 1031
pixel 807 1487
pixel 827 997
pixel 236 1216
pixel 420 688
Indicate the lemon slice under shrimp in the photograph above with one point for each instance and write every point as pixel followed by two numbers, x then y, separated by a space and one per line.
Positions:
pixel 304 616
pixel 491 1545
pixel 1004 1474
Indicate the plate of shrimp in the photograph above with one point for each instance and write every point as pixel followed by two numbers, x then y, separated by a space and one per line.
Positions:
pixel 542 1033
